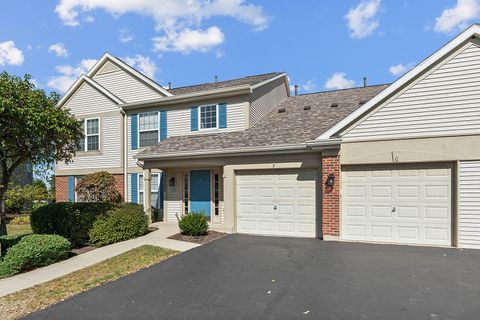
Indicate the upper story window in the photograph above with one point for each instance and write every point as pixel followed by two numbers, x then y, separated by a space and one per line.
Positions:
pixel 208 117
pixel 91 128
pixel 148 129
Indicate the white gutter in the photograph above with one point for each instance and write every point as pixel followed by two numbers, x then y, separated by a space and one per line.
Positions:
pixel 232 152
pixel 219 93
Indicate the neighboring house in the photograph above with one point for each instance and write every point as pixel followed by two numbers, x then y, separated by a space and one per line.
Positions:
pixel 398 163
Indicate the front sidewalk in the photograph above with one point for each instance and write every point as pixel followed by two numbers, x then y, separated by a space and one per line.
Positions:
pixel 157 238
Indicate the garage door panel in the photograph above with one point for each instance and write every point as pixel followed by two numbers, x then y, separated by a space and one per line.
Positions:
pixel 284 203
pixel 405 205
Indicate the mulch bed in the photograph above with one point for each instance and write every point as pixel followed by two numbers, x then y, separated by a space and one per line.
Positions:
pixel 77 251
pixel 211 236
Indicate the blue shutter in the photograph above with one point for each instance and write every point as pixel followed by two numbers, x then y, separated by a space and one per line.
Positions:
pixel 163 125
pixel 222 115
pixel 134 131
pixel 71 188
pixel 194 118
pixel 134 187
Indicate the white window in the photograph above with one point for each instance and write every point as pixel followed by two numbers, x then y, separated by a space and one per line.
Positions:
pixel 91 129
pixel 148 129
pixel 77 181
pixel 155 185
pixel 208 117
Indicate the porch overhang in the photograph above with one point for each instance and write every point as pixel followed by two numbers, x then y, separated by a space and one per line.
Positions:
pixel 217 157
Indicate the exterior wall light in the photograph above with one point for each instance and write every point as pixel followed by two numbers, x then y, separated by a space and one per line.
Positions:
pixel 330 180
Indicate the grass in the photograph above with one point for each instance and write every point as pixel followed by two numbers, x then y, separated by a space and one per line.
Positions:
pixel 29 300
pixel 14 229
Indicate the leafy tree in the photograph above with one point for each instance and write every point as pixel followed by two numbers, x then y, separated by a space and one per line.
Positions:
pixel 32 129
pixel 30 196
pixel 98 187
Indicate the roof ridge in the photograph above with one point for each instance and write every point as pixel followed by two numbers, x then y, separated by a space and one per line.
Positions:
pixel 345 89
pixel 233 79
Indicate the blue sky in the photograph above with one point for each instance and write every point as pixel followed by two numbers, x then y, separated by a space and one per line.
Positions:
pixel 320 44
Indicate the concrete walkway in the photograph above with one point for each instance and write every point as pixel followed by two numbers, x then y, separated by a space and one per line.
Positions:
pixel 59 269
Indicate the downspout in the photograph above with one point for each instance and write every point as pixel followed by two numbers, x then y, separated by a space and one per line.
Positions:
pixel 125 156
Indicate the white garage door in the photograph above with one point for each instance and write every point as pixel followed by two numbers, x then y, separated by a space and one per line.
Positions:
pixel 401 205
pixel 276 202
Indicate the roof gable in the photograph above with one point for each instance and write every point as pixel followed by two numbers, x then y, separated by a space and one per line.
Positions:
pixel 77 85
pixel 444 101
pixel 110 63
pixel 355 117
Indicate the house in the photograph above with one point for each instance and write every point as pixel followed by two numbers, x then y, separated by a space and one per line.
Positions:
pixel 395 163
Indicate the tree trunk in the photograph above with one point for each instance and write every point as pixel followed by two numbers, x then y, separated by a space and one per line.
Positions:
pixel 3 217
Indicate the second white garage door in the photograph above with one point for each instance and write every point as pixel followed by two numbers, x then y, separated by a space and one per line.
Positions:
pixel 397 204
pixel 276 202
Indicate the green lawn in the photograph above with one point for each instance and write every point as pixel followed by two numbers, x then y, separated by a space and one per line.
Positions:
pixel 18 229
pixel 19 304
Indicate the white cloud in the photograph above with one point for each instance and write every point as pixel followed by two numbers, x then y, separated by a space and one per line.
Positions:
pixel 167 13
pixel 59 50
pixel 144 64
pixel 189 40
pixel 124 35
pixel 310 85
pixel 9 54
pixel 399 69
pixel 219 53
pixel 68 74
pixel 177 20
pixel 89 19
pixel 338 81
pixel 362 19
pixel 458 16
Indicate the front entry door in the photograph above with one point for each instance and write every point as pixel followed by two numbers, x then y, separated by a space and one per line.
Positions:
pixel 200 191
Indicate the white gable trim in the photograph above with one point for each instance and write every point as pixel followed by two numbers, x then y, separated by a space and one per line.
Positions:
pixel 285 80
pixel 83 78
pixel 130 70
pixel 473 30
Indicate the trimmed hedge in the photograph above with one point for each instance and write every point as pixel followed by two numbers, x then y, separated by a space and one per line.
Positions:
pixel 193 224
pixel 70 220
pixel 124 222
pixel 34 251
pixel 9 241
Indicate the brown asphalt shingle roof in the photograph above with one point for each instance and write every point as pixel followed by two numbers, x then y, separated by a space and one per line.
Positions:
pixel 294 126
pixel 251 80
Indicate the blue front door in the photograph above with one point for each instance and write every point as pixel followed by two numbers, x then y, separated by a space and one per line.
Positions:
pixel 200 191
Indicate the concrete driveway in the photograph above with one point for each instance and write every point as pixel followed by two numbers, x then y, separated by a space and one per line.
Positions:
pixel 246 277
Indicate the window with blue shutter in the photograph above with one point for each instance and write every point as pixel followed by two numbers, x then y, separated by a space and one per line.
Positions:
pixel 222 115
pixel 194 118
pixel 134 187
pixel 134 131
pixel 163 125
pixel 71 188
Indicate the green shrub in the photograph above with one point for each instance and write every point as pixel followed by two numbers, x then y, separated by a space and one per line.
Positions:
pixel 34 251
pixel 70 220
pixel 126 221
pixel 9 241
pixel 193 224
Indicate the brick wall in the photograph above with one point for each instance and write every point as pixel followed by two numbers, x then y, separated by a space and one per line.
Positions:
pixel 61 187
pixel 331 197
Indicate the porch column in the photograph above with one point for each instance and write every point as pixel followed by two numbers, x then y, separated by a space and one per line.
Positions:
pixel 147 193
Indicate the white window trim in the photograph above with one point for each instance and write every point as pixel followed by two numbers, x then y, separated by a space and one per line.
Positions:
pixel 140 178
pixel 200 117
pixel 85 139
pixel 138 131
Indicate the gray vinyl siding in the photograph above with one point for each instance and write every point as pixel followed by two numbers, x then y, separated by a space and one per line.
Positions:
pixel 88 100
pixel 179 120
pixel 109 155
pixel 469 204
pixel 125 86
pixel 445 101
pixel 265 98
